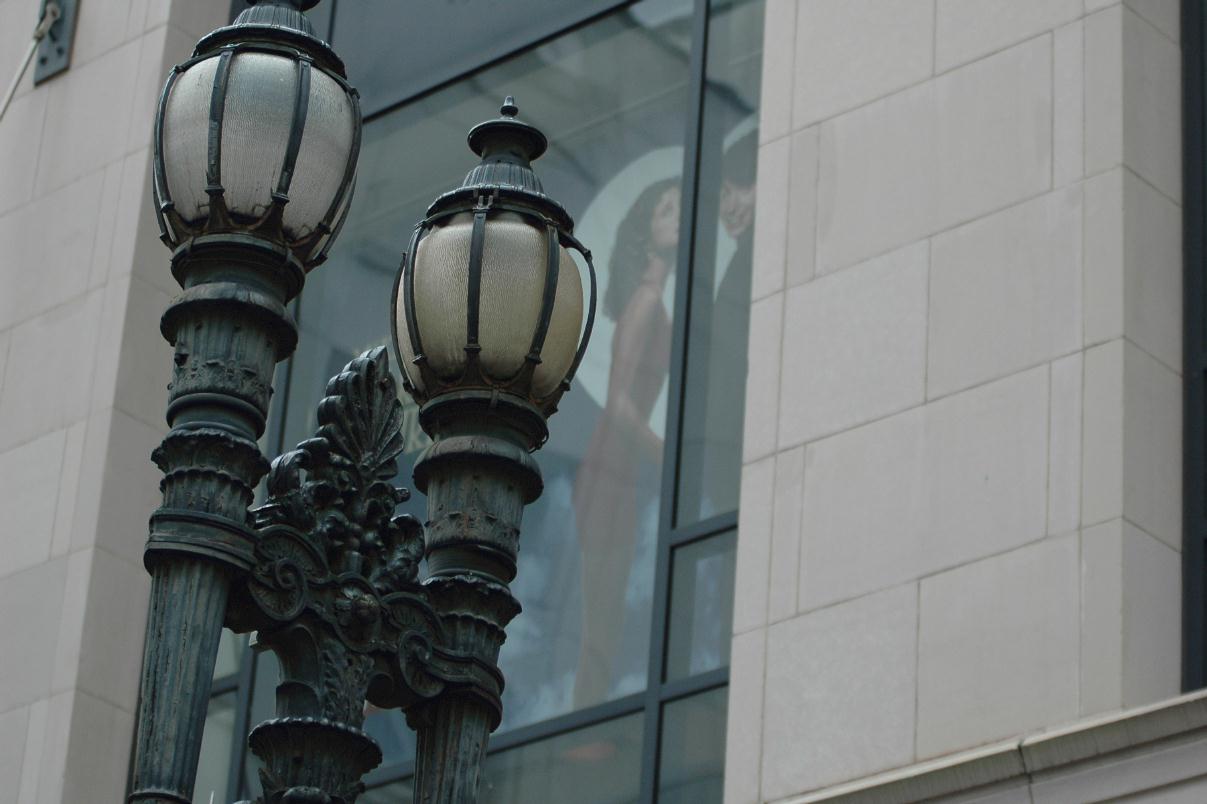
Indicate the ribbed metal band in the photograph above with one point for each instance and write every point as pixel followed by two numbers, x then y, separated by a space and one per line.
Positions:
pixel 552 266
pixel 348 186
pixel 297 128
pixel 408 293
pixel 163 199
pixel 213 167
pixel 473 312
pixel 591 305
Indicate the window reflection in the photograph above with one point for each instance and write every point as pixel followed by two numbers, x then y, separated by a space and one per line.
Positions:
pixel 214 764
pixel 613 99
pixel 693 750
pixel 701 610
pixel 714 397
pixel 597 765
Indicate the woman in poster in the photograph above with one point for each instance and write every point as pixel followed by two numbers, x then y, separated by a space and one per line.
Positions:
pixel 606 489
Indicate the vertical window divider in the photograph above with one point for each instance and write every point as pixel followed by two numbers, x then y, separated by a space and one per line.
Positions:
pixel 1194 351
pixel 652 722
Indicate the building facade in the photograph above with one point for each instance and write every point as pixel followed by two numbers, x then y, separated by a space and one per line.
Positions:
pixel 871 485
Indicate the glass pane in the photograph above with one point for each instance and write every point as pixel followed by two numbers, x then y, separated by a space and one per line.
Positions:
pixel 715 382
pixel 701 607
pixel 596 765
pixel 230 653
pixel 263 707
pixel 213 769
pixel 613 99
pixel 693 749
pixel 395 50
pixel 389 727
pixel 395 793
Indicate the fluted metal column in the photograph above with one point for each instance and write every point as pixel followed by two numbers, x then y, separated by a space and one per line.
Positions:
pixel 478 475
pixel 230 327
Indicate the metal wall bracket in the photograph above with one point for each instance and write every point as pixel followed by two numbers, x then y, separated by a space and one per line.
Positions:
pixel 54 52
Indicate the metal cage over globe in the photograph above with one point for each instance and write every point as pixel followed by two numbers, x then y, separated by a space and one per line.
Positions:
pixel 489 297
pixel 257 136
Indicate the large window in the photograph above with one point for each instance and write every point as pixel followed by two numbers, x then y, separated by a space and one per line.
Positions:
pixel 616 670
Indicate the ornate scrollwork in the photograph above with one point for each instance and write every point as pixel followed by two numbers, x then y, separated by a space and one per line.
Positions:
pixel 334 488
pixel 334 592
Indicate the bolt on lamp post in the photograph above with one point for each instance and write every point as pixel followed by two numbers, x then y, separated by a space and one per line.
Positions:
pixel 256 143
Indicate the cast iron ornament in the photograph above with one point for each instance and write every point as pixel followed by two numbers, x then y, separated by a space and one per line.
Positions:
pixel 335 594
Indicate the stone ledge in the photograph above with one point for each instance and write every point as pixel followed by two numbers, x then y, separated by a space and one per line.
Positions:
pixel 1019 759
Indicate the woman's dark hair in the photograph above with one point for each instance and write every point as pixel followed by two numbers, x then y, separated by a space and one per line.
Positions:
pixel 630 250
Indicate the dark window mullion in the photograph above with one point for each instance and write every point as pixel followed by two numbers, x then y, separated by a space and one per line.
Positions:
pixel 221 686
pixel 704 529
pixel 1194 438
pixel 670 469
pixel 573 721
pixel 241 727
pixel 702 682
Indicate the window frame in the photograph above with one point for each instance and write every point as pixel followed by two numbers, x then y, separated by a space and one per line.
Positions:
pixel 1194 352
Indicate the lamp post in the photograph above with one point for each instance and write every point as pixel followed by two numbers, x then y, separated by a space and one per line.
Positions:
pixel 256 143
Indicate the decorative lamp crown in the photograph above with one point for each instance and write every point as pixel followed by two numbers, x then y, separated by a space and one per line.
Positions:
pixel 489 299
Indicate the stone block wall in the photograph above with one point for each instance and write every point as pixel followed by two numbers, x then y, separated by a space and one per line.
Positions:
pixel 83 281
pixel 961 503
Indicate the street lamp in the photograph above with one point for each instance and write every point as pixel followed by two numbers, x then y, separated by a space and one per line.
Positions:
pixel 256 142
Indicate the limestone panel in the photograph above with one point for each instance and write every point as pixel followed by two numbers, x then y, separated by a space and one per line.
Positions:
pixel 13 725
pixel 1152 618
pixel 785 534
pixel 744 724
pixel 998 647
pixel 97 764
pixel 802 208
pixel 1133 98
pixel 38 594
pixel 763 377
pixel 114 625
pixel 840 693
pixel 854 346
pixel 48 247
pixel 129 476
pixel 968 29
pixel 1068 122
pixel 849 52
pixel 971 141
pixel 19 143
pixel 771 219
pixel 1152 273
pixel 754 546
pixel 1133 265
pixel 49 370
pixel 1064 445
pixel 1102 618
pixel 1152 105
pixel 934 487
pixel 1152 444
pixel 779 47
pixel 94 97
pixel 1102 453
pixel 1005 292
pixel 1164 15
pixel 28 496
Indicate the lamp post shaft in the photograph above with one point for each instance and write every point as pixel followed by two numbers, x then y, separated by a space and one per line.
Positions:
pixel 478 475
pixel 187 601
pixel 229 327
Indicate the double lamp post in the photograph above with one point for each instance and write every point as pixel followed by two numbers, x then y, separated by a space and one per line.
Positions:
pixel 256 144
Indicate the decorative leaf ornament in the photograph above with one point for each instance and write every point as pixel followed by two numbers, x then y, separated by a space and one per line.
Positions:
pixel 334 488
